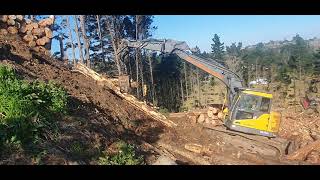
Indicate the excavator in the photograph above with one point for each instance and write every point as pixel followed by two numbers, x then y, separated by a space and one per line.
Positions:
pixel 248 111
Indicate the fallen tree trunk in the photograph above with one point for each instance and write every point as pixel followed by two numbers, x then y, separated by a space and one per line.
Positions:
pixel 188 155
pixel 129 98
pixel 302 153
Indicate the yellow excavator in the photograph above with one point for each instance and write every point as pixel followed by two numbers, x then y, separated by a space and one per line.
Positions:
pixel 248 111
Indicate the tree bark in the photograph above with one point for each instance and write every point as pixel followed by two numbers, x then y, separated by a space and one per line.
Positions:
pixel 86 41
pixel 100 38
pixel 78 38
pixel 71 42
pixel 110 25
pixel 151 77
pixel 137 59
pixel 198 84
pixel 61 47
pixel 185 78
pixel 182 94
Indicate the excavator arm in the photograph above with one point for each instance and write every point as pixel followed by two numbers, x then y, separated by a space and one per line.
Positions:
pixel 182 50
pixel 249 110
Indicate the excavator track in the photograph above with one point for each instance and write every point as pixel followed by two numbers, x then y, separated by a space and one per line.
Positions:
pixel 280 144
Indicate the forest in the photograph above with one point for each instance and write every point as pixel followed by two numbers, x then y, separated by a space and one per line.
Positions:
pixel 96 38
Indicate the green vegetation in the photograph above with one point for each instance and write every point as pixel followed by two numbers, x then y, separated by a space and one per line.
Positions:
pixel 125 155
pixel 27 110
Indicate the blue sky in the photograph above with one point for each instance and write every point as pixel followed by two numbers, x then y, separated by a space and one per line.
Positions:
pixel 248 29
pixel 198 30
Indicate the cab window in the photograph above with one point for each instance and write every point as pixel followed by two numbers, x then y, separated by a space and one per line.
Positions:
pixel 265 104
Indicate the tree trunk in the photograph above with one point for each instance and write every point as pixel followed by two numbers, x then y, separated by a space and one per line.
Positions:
pixel 61 47
pixel 198 84
pixel 100 38
pixel 137 59
pixel 182 94
pixel 141 73
pixel 78 38
pixel 256 69
pixel 185 78
pixel 71 41
pixel 110 25
pixel 85 38
pixel 151 77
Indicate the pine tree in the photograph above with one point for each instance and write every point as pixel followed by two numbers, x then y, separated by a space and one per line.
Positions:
pixel 217 49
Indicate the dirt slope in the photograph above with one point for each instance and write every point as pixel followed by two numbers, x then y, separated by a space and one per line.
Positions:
pixel 97 117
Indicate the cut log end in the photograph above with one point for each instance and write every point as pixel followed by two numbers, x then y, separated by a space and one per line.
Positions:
pixel 12 30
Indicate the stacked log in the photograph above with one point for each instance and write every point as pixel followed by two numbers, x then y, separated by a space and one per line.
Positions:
pixel 35 34
pixel 211 115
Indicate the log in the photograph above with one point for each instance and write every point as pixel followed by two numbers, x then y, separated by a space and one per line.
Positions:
pixel 46 39
pixel 28 21
pixel 23 29
pixel 214 117
pixel 35 37
pixel 215 111
pixel 11 22
pixel 17 25
pixel 40 42
pixel 28 38
pixel 4 18
pixel 12 30
pixel 3 32
pixel 29 27
pixel 201 118
pixel 42 23
pixel 38 31
pixel 48 32
pixel 19 17
pixel 32 43
pixel 29 33
pixel 49 21
pixel 47 52
pixel 313 157
pixel 192 118
pixel 220 115
pixel 196 148
pixel 185 154
pixel 13 17
pixel 210 113
pixel 34 25
pixel 302 153
pixel 208 121
pixel 36 49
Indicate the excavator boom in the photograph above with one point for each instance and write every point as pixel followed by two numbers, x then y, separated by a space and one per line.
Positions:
pixel 181 49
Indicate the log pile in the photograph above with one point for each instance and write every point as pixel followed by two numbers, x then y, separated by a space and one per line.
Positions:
pixel 211 115
pixel 35 34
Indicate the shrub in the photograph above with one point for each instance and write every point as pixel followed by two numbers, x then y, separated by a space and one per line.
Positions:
pixel 164 111
pixel 27 109
pixel 125 156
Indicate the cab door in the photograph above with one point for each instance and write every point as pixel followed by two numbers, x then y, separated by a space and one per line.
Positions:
pixel 252 111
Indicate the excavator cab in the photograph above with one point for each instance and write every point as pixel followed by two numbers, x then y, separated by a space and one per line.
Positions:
pixel 251 113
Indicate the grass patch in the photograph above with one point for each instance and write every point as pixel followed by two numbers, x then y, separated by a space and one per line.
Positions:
pixel 27 110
